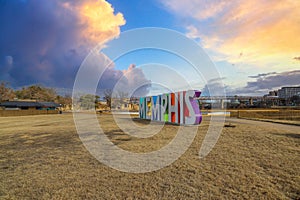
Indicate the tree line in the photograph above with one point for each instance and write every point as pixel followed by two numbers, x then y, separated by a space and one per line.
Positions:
pixel 33 92
pixel 41 93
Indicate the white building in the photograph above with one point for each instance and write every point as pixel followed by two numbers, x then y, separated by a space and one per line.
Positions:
pixel 288 92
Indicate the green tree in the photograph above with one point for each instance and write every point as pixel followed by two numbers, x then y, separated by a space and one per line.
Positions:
pixel 89 101
pixel 37 92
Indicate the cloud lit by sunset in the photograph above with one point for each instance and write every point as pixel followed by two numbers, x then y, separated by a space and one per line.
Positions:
pixel 48 40
pixel 101 23
pixel 97 19
pixel 260 33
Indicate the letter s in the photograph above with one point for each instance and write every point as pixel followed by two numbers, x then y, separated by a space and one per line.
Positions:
pixel 193 107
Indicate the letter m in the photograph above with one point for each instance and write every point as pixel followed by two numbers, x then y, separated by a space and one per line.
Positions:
pixel 155 108
pixel 142 108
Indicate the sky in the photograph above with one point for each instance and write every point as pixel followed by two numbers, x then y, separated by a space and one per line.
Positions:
pixel 255 45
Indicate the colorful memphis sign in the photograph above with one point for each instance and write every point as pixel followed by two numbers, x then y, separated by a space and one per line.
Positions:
pixel 180 107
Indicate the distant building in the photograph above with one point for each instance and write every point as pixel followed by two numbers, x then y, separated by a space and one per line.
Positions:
pixel 288 92
pixel 28 105
pixel 131 104
pixel 273 93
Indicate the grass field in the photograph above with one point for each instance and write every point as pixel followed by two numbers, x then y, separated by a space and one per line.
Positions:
pixel 42 157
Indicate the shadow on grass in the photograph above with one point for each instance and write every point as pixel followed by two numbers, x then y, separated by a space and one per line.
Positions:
pixel 148 121
pixel 116 136
pixel 290 135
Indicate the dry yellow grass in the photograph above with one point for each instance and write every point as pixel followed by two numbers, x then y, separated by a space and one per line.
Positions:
pixel 41 157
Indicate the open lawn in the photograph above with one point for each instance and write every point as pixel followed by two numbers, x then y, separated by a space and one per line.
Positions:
pixel 42 157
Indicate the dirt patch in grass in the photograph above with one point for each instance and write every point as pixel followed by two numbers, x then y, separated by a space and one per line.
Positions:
pixel 42 157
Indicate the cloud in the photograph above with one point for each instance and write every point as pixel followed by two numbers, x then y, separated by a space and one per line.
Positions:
pixel 289 78
pixel 266 32
pixel 9 60
pixel 131 81
pixel 192 32
pixel 198 9
pixel 267 82
pixel 262 75
pixel 46 41
pixel 297 58
pixel 214 87
pixel 262 84
pixel 97 18
pixel 99 69
pixel 6 65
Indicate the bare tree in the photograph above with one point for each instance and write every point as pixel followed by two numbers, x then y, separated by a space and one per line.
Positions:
pixel 121 98
pixel 65 101
pixel 6 93
pixel 108 97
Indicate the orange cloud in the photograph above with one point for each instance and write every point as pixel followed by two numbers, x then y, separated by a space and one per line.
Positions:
pixel 268 33
pixel 98 19
pixel 258 32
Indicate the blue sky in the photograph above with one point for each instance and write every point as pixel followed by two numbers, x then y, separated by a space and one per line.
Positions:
pixel 253 47
pixel 144 13
pixel 235 73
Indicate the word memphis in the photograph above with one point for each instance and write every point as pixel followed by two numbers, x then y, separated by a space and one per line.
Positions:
pixel 179 107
